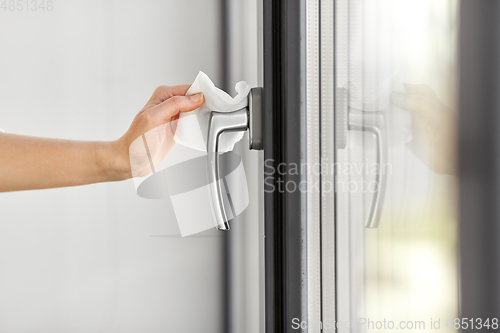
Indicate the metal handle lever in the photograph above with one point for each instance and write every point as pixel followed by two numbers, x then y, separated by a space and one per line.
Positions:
pixel 221 122
pixel 373 219
pixel 236 121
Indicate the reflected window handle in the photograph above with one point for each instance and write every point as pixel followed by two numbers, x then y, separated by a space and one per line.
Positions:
pixel 373 218
pixel 237 121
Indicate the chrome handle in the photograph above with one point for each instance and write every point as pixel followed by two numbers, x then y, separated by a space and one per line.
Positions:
pixel 219 123
pixel 373 219
pixel 248 118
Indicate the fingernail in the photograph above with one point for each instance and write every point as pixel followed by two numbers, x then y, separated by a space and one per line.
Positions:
pixel 196 98
pixel 398 97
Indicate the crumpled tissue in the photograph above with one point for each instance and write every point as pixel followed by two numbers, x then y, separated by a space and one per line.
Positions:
pixel 192 127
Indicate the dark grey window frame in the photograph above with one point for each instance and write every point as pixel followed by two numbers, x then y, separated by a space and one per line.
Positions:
pixel 283 128
pixel 479 158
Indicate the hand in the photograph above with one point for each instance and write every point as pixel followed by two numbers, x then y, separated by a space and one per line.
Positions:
pixel 150 137
pixel 434 125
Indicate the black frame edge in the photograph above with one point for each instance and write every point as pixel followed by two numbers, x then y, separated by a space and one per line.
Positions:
pixel 282 144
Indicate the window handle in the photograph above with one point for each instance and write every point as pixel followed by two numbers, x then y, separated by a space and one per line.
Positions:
pixel 250 119
pixel 373 219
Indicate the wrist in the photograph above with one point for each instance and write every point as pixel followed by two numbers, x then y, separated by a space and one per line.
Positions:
pixel 115 163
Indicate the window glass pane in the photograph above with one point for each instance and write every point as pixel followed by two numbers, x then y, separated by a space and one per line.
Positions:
pixel 395 122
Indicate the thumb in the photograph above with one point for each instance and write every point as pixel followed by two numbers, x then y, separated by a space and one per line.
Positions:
pixel 174 105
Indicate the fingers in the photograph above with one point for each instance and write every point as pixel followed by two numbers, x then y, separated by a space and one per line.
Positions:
pixel 179 90
pixel 411 102
pixel 173 106
pixel 162 93
pixel 418 97
pixel 404 101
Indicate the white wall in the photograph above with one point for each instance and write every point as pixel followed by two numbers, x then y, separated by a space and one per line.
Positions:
pixel 83 259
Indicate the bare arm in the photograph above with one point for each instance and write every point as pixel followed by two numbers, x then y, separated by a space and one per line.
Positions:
pixel 36 163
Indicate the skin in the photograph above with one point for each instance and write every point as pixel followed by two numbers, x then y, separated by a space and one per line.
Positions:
pixel 28 163
pixel 434 127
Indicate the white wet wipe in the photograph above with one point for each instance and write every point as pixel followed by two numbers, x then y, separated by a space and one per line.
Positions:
pixel 192 127
pixel 177 174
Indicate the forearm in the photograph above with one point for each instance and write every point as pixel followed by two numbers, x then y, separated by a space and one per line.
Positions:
pixel 28 163
pixel 35 163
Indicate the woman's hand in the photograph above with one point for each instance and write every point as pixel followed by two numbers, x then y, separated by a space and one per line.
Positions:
pixel 151 136
pixel 434 125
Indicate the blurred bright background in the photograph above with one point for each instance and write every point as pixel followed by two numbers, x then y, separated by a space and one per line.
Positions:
pixel 412 258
